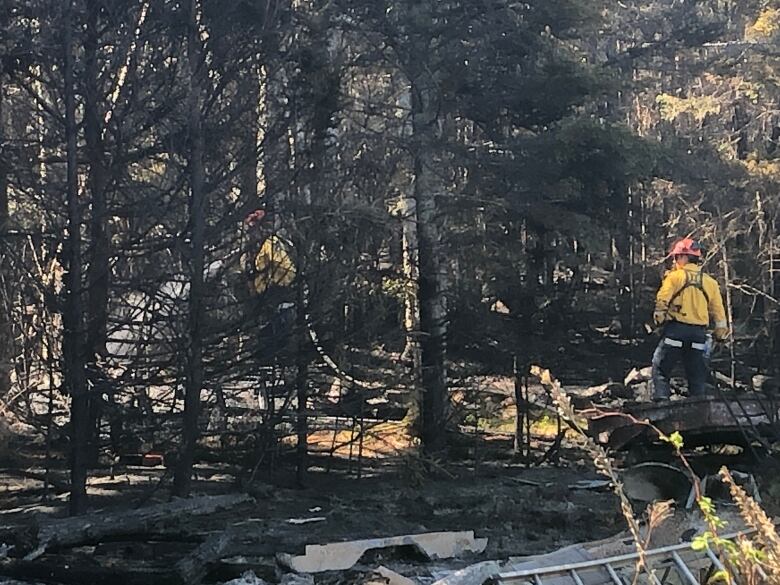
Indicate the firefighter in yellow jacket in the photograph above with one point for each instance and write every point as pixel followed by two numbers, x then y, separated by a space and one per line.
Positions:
pixel 271 266
pixel 270 270
pixel 687 304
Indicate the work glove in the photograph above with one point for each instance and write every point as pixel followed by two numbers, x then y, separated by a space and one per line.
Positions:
pixel 659 317
pixel 721 333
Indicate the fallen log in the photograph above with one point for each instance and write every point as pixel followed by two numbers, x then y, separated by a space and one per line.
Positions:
pixel 193 568
pixel 94 528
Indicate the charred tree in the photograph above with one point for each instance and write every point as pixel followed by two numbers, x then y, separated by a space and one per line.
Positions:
pixel 98 270
pixel 249 153
pixel 433 309
pixel 194 363
pixel 73 318
pixel 6 352
pixel 302 359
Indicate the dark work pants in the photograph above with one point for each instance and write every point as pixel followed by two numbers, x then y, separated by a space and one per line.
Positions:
pixel 686 343
pixel 275 335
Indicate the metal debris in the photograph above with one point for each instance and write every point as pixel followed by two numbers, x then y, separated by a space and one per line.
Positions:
pixel 701 420
pixel 591 484
pixel 653 481
pixel 680 559
pixel 713 487
pixel 472 575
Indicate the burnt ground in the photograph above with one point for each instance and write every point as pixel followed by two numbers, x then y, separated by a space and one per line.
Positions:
pixel 522 511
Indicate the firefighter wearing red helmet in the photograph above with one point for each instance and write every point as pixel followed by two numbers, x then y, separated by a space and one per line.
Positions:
pixel 687 304
pixel 270 271
pixel 270 265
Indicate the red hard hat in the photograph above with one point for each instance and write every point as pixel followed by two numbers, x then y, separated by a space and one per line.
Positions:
pixel 686 247
pixel 254 218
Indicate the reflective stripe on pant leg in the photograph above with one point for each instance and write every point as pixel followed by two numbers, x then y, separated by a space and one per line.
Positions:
pixel 672 342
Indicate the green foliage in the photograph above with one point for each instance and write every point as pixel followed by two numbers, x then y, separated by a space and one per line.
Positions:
pixel 675 439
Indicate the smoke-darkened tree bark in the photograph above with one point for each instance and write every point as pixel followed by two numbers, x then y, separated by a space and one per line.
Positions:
pixel 431 287
pixel 197 221
pixel 99 270
pixel 73 317
pixel 6 350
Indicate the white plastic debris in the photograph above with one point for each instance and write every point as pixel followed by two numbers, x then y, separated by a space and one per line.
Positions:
pixel 392 577
pixel 341 556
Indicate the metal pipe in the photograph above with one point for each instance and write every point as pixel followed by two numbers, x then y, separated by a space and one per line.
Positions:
pixel 714 558
pixel 526 573
pixel 684 570
pixel 613 575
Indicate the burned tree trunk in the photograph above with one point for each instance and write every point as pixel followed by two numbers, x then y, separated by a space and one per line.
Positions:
pixel 6 353
pixel 194 362
pixel 774 288
pixel 73 318
pixel 98 271
pixel 775 267
pixel 194 567
pixel 433 310
pixel 729 312
pixel 102 526
pixel 302 360
pixel 249 152
pixel 405 208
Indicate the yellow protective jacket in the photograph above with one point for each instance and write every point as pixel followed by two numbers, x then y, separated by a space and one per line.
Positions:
pixel 273 265
pixel 689 296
